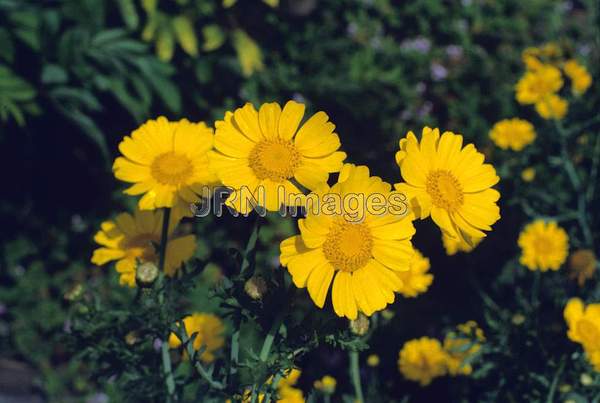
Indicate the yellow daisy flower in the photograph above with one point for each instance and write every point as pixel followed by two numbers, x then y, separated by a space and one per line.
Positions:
pixel 584 324
pixel 449 182
pixel 536 85
pixel 209 329
pixel 361 257
pixel 258 154
pixel 373 360
pixel 582 265
pixel 167 162
pixel 326 384
pixel 580 78
pixel 528 174
pixel 422 360
pixel 132 239
pixel 452 245
pixel 512 133
pixel 552 107
pixel 416 280
pixel 461 345
pixel 544 246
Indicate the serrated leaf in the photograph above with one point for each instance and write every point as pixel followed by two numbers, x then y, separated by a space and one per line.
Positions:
pixel 184 32
pixel 214 37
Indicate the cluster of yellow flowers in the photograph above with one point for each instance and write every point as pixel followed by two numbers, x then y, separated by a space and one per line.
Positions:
pixel 259 153
pixel 543 80
pixel 286 390
pixel 425 359
pixel 584 328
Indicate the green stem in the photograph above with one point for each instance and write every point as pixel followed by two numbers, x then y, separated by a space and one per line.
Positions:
pixel 552 391
pixel 355 375
pixel 163 239
pixel 577 185
pixel 168 371
pixel 207 377
pixel 268 343
pixel 273 387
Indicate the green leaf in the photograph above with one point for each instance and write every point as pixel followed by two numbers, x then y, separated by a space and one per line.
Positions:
pixel 249 54
pixel 76 96
pixel 7 46
pixel 54 74
pixel 214 37
pixel 184 32
pixel 165 44
pixel 129 14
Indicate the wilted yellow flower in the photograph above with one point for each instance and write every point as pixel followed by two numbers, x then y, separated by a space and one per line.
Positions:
pixel 417 279
pixel 552 107
pixel 461 346
pixel 449 182
pixel 326 384
pixel 453 245
pixel 537 85
pixel 167 162
pixel 582 265
pixel 580 78
pixel 422 360
pixel 584 324
pixel 528 174
pixel 544 246
pixel 359 252
pixel 373 360
pixel 209 329
pixel 131 240
pixel 258 154
pixel 512 133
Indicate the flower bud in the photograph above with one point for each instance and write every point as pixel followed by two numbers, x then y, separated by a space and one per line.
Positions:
pixel 146 274
pixel 255 287
pixel 360 325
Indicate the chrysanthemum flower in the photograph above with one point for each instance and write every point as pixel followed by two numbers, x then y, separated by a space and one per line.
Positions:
pixel 131 240
pixel 262 152
pixel 167 162
pixel 582 265
pixel 449 182
pixel 422 360
pixel 544 246
pixel 361 257
pixel 552 107
pixel 453 245
pixel 538 84
pixel 461 345
pixel 584 323
pixel 209 329
pixel 417 279
pixel 512 133
pixel 580 78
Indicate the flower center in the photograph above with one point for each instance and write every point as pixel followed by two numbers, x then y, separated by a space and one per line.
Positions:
pixel 141 247
pixel 171 168
pixel 348 245
pixel 445 190
pixel 543 245
pixel 274 159
pixel 589 333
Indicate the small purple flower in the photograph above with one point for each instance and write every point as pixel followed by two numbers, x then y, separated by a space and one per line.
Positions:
pixel 420 44
pixel 420 88
pixel 3 309
pixel 425 109
pixel 438 72
pixel 67 326
pixel 97 398
pixel 454 52
pixel 157 344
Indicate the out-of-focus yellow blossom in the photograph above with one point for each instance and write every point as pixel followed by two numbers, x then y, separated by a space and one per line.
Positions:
pixel 422 360
pixel 131 239
pixel 579 76
pixel 535 57
pixel 286 390
pixel 209 329
pixel 537 85
pixel 584 324
pixel 582 265
pixel 461 345
pixel 544 246
pixel 373 360
pixel 326 384
pixel 453 245
pixel 417 279
pixel 512 133
pixel 552 107
pixel 528 174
